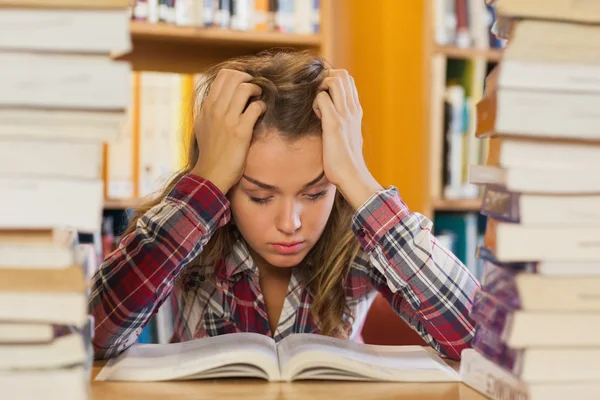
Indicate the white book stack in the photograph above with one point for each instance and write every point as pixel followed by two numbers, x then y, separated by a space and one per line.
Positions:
pixel 62 97
pixel 538 310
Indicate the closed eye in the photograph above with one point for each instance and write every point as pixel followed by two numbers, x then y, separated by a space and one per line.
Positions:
pixel 316 196
pixel 260 200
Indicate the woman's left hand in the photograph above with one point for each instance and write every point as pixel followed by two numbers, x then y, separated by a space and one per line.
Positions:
pixel 339 109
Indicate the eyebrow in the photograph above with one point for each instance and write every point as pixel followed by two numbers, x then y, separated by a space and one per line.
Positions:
pixel 273 187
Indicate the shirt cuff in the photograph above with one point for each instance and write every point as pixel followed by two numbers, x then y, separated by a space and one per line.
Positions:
pixel 381 212
pixel 204 198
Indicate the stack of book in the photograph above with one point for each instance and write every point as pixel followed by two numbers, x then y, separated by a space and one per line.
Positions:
pixel 538 312
pixel 288 16
pixel 62 96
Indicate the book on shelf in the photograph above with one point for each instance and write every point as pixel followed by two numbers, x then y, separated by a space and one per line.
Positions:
pixel 286 16
pixel 298 356
pixel 497 383
pixel 464 24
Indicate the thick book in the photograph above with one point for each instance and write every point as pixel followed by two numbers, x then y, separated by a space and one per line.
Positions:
pixel 299 356
pixel 496 383
pixel 536 113
pixel 50 158
pixel 53 124
pixel 44 203
pixel 531 364
pixel 530 291
pixel 566 10
pixel 515 242
pixel 38 249
pixel 61 352
pixel 552 154
pixel 70 4
pixel 80 31
pixel 523 328
pixel 547 41
pixel 64 81
pixel 546 268
pixel 49 384
pixel 533 209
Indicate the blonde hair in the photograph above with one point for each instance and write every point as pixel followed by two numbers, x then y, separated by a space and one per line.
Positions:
pixel 289 82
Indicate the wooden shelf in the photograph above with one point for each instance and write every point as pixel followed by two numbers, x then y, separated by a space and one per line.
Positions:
pixel 217 36
pixel 170 48
pixel 456 205
pixel 494 55
pixel 120 204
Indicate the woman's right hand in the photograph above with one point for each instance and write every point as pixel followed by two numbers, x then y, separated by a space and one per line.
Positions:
pixel 224 130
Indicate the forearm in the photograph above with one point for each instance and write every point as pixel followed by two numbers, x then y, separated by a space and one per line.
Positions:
pixel 139 275
pixel 418 272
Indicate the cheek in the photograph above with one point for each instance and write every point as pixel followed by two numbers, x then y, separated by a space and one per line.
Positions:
pixel 317 214
pixel 249 218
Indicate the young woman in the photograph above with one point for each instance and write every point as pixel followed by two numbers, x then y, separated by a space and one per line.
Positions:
pixel 276 225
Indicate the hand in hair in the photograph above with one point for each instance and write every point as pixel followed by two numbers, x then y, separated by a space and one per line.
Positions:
pixel 224 128
pixel 339 109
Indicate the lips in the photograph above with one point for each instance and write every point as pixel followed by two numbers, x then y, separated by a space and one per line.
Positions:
pixel 287 247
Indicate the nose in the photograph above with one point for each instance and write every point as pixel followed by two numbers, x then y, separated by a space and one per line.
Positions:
pixel 288 217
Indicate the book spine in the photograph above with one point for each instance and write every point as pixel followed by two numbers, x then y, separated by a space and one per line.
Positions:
pixel 209 12
pixel 316 16
pixel 490 344
pixel 490 312
pixel 501 204
pixel 490 379
pixel 223 15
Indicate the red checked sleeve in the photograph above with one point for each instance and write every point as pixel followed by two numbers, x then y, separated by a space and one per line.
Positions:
pixel 423 281
pixel 138 276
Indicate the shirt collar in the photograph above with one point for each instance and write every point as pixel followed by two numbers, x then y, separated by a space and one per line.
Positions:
pixel 239 259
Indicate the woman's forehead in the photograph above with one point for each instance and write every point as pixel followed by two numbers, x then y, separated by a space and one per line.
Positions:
pixel 277 162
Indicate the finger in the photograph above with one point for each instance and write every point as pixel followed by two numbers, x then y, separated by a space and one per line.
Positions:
pixel 348 86
pixel 325 105
pixel 335 87
pixel 240 99
pixel 251 115
pixel 217 84
pixel 231 81
pixel 355 93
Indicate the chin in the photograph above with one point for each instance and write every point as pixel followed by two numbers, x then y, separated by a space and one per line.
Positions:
pixel 285 261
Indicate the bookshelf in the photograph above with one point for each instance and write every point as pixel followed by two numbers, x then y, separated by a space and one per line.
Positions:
pixel 491 55
pixel 442 61
pixel 169 48
pixel 189 50
pixel 454 78
pixel 456 205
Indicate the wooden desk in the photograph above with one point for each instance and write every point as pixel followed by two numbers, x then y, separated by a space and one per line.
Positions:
pixel 258 389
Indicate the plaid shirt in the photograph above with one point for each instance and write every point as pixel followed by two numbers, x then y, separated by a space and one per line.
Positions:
pixel 399 258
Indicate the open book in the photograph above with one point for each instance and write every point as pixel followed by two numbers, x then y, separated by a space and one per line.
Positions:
pixel 298 356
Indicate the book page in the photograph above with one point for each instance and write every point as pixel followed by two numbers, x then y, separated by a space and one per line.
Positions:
pixel 149 362
pixel 315 354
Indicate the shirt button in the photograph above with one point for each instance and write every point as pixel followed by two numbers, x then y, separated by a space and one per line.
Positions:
pixel 362 232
